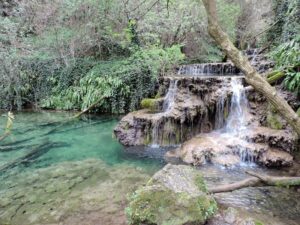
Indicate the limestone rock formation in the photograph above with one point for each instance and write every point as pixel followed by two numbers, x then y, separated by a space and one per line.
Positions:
pixel 176 195
pixel 192 111
pixel 261 145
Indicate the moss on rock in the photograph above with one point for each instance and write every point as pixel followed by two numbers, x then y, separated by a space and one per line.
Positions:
pixel 151 104
pixel 164 202
pixel 274 120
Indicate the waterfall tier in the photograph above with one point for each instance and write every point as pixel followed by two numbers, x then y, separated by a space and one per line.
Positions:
pixel 206 107
pixel 238 141
pixel 191 106
pixel 258 60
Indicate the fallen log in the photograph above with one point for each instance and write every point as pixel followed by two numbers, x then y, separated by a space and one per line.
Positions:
pixel 250 182
pixel 276 181
pixel 9 148
pixel 257 180
pixel 5 135
pixel 276 76
pixel 18 142
pixel 90 107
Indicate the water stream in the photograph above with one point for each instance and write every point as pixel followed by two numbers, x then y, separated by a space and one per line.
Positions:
pixel 170 96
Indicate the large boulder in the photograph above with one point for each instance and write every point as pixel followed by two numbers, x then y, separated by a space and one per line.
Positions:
pixel 175 195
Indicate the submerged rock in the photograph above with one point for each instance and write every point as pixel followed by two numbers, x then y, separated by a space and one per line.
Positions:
pixel 176 195
pixel 69 193
pixel 233 216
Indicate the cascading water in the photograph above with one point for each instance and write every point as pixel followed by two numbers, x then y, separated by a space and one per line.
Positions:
pixel 234 128
pixel 236 124
pixel 208 69
pixel 220 111
pixel 168 105
pixel 236 121
pixel 170 96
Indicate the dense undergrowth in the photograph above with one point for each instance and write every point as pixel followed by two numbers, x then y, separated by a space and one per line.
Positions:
pixel 123 83
pixel 285 38
pixel 67 54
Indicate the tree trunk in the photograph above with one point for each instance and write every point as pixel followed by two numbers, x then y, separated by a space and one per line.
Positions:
pixel 251 75
pixel 89 108
pixel 257 180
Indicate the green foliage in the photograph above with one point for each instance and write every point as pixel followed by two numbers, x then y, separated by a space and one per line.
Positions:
pixel 258 223
pixel 287 21
pixel 125 82
pixel 65 54
pixel 228 16
pixel 287 54
pixel 287 58
pixel 292 82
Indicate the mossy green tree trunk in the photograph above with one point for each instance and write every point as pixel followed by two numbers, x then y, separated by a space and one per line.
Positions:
pixel 252 76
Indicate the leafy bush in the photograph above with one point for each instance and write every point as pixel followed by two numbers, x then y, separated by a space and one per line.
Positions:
pixel 287 58
pixel 124 83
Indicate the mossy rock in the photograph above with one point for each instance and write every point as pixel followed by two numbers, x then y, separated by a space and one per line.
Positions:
pixel 176 195
pixel 298 112
pixel 274 121
pixel 151 104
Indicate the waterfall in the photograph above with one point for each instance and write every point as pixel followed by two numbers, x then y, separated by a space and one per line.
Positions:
pixel 209 69
pixel 236 121
pixel 236 124
pixel 229 132
pixel 170 96
pixel 168 105
pixel 155 134
pixel 220 110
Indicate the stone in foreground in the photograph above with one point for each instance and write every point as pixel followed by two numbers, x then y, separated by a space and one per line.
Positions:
pixel 175 195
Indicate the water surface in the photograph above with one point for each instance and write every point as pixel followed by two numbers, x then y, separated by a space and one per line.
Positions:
pixel 79 174
pixel 70 173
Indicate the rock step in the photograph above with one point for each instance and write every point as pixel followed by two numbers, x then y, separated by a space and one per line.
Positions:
pixel 284 140
pixel 223 150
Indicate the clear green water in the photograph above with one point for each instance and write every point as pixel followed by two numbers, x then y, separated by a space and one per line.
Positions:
pixel 78 173
pixel 81 175
pixel 91 137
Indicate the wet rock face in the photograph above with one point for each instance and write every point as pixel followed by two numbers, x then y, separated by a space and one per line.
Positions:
pixel 176 195
pixel 261 145
pixel 193 111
